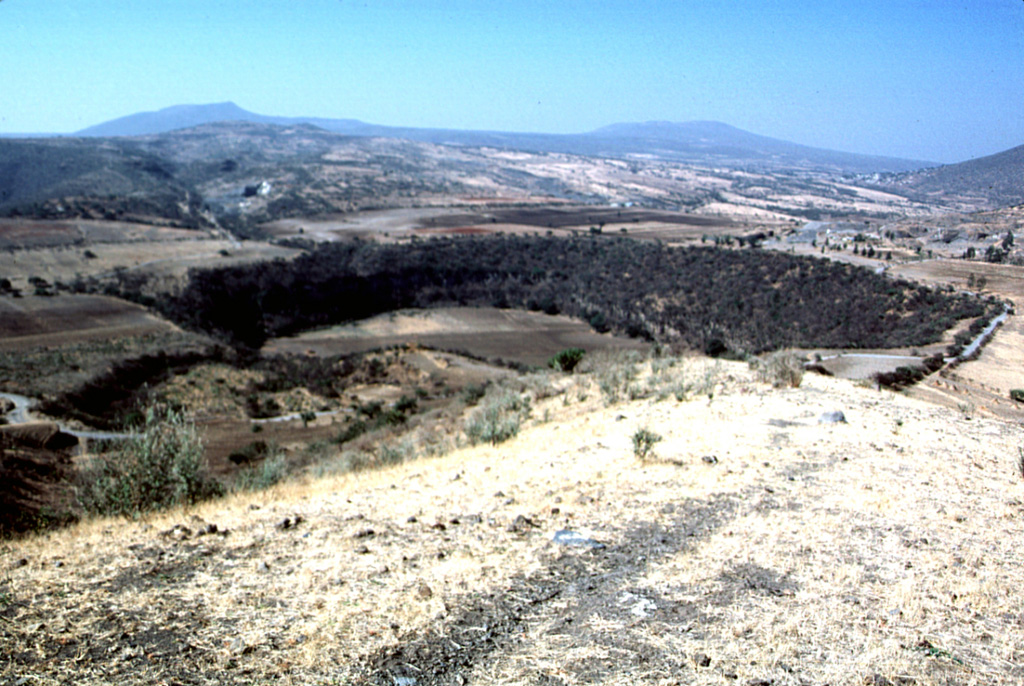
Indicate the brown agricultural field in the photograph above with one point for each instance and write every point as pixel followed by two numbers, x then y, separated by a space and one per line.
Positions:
pixel 529 338
pixel 59 320
pixel 524 217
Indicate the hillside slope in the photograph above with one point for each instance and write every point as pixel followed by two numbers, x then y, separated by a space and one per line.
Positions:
pixel 993 181
pixel 758 546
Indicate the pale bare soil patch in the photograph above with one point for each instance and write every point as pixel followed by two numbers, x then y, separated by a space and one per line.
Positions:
pixel 481 331
pixel 757 546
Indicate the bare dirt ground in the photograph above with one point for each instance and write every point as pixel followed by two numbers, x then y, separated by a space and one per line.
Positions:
pixel 61 320
pixel 757 546
pixel 483 332
pixel 529 216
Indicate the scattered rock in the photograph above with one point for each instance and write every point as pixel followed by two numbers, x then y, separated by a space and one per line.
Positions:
pixel 289 522
pixel 522 524
pixel 263 567
pixel 423 591
pixel 834 417
pixel 364 533
pixel 709 459
pixel 362 550
pixel 23 562
pixel 575 538
pixel 702 660
pixel 178 532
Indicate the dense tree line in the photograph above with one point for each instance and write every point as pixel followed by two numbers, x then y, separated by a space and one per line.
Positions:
pixel 716 300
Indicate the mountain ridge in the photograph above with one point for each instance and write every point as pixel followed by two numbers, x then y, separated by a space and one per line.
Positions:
pixel 698 141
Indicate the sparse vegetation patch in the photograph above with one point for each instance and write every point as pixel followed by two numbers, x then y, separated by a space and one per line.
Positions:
pixel 160 467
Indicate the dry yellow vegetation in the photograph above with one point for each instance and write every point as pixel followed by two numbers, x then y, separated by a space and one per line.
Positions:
pixel 757 545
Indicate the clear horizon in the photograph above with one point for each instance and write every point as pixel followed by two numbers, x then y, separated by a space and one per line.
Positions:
pixel 939 81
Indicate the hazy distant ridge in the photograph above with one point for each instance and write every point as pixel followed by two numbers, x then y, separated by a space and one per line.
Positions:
pixel 998 179
pixel 696 142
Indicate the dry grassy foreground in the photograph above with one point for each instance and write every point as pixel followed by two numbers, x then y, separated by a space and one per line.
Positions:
pixel 887 550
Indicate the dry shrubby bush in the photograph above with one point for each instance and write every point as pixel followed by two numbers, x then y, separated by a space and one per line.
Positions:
pixel 160 467
pixel 567 360
pixel 499 417
pixel 781 369
pixel 272 469
pixel 643 442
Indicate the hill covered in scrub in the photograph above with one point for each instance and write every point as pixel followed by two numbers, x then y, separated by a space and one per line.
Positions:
pixel 756 544
pixel 711 299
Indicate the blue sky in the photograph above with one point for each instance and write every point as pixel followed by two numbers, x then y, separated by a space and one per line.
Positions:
pixel 925 79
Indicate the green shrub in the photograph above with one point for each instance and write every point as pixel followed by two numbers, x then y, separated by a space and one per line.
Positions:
pixel 566 360
pixel 498 419
pixel 407 403
pixel 160 467
pixel 273 469
pixel 254 452
pixel 643 442
pixel 473 393
pixel 900 378
pixel 1017 394
pixel 353 431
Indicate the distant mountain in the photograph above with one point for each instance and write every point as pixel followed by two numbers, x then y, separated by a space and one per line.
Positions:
pixel 187 116
pixel 699 142
pixel 716 140
pixel 994 181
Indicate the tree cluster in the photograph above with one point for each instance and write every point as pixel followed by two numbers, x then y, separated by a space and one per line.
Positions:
pixel 710 299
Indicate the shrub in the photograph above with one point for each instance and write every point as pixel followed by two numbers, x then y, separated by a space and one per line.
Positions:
pixel 643 442
pixel 472 394
pixel 270 471
pixel 1017 394
pixel 498 419
pixel 162 466
pixel 902 377
pixel 353 431
pixel 780 369
pixel 407 403
pixel 254 452
pixel 392 454
pixel 566 360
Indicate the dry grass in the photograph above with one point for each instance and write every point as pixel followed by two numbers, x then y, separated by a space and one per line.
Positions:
pixel 808 553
